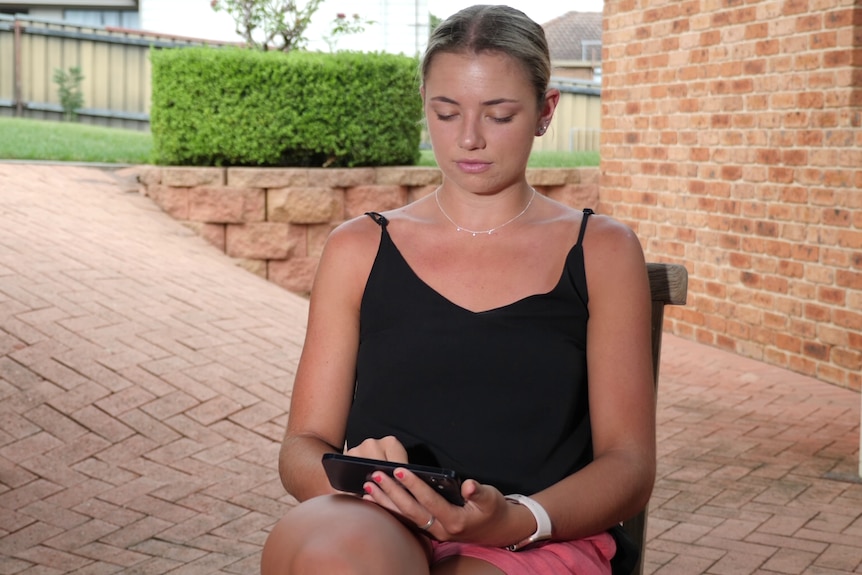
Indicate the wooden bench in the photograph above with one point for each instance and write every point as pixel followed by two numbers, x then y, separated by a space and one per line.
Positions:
pixel 668 286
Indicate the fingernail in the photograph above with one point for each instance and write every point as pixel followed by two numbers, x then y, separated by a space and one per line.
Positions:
pixel 399 474
pixel 377 477
pixel 368 489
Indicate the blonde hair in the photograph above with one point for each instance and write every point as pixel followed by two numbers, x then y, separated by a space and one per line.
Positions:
pixel 501 29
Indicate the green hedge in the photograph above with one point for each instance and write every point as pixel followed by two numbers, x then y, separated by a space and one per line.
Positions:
pixel 235 107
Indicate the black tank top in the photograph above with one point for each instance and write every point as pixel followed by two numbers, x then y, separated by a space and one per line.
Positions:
pixel 500 395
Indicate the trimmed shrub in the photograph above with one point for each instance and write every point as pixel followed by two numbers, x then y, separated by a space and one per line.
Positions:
pixel 234 107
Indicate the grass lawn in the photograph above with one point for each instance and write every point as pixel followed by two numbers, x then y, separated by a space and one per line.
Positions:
pixel 24 139
pixel 540 159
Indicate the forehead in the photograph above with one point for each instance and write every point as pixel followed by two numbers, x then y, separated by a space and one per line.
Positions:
pixel 471 72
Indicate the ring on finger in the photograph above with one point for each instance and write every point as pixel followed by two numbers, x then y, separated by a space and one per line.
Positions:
pixel 428 525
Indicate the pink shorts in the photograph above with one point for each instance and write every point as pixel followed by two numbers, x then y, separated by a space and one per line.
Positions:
pixel 588 556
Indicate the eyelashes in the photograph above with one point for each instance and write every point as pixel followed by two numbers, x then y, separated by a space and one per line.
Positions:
pixel 495 119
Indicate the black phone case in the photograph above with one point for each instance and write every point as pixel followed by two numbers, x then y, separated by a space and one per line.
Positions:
pixel 348 473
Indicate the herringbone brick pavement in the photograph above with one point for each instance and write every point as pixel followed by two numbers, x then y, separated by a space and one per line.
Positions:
pixel 145 381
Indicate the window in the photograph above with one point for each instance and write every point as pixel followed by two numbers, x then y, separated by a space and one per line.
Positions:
pixel 101 18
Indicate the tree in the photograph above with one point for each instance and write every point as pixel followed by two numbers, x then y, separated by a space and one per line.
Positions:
pixel 343 26
pixel 270 24
pixel 433 22
pixel 69 90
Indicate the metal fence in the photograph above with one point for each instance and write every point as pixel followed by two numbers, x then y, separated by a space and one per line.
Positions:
pixel 115 64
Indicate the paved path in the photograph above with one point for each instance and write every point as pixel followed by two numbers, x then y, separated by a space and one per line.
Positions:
pixel 145 380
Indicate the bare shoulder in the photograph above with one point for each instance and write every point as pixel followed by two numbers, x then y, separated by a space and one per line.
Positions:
pixel 353 237
pixel 348 256
pixel 612 252
pixel 606 236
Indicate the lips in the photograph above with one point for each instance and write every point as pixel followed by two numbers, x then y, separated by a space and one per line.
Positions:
pixel 472 166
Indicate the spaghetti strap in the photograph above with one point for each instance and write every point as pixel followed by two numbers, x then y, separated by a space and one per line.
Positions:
pixel 378 219
pixel 587 213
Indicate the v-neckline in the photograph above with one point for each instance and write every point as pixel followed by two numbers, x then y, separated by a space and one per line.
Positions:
pixel 458 306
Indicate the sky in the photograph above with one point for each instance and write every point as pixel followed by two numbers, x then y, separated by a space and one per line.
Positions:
pixel 167 16
pixel 539 10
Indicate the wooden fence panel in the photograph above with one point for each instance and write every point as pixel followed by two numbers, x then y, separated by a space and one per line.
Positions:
pixel 577 121
pixel 115 65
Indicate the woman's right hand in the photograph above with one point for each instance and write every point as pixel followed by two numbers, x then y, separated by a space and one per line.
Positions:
pixel 386 448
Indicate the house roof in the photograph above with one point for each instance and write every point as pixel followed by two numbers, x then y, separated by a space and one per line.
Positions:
pixel 575 36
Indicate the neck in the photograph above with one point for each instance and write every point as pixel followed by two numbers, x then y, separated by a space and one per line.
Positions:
pixel 478 230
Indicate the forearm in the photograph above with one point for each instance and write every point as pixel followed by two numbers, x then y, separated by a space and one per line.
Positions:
pixel 611 489
pixel 299 466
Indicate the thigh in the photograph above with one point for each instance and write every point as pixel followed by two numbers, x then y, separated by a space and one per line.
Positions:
pixel 460 565
pixel 342 534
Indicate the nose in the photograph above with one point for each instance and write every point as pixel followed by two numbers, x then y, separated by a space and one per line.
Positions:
pixel 471 135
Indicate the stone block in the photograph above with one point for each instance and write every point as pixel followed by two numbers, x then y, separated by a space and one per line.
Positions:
pixel 295 275
pixel 257 267
pixel 267 177
pixel 316 238
pixel 264 241
pixel 182 177
pixel 227 205
pixel 420 192
pixel 341 177
pixel 578 197
pixel 297 236
pixel 172 201
pixel 213 233
pixel 377 198
pixel 149 175
pixel 304 205
pixel 585 176
pixel 409 176
pixel 541 177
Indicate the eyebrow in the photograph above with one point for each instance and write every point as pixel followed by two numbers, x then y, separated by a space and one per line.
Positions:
pixel 494 102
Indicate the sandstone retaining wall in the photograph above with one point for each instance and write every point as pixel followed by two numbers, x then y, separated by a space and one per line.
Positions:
pixel 275 221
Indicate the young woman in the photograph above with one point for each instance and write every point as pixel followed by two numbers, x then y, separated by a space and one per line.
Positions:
pixel 484 328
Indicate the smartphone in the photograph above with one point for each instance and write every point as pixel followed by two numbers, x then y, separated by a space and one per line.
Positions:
pixel 349 473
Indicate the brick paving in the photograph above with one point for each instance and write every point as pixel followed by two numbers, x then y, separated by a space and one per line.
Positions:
pixel 145 381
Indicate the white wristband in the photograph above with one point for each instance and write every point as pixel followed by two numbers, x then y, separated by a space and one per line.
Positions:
pixel 543 521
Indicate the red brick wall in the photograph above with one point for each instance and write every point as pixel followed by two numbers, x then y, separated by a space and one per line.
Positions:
pixel 731 143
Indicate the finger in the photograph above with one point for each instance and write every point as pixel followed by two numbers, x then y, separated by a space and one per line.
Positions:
pixel 393 450
pixel 373 492
pixel 420 489
pixel 386 448
pixel 388 491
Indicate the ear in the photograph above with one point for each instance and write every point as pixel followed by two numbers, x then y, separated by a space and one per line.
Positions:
pixel 552 98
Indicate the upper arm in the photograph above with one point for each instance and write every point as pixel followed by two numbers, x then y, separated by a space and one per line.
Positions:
pixel 619 350
pixel 323 388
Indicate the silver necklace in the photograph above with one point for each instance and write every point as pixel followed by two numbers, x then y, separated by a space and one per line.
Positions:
pixel 481 232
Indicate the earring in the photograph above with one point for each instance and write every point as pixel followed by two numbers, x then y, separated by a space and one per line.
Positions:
pixel 542 129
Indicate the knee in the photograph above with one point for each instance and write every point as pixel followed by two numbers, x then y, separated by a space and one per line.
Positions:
pixel 295 547
pixel 340 535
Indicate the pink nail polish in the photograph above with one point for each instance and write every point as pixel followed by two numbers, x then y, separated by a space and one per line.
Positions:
pixel 399 474
pixel 368 489
pixel 377 477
